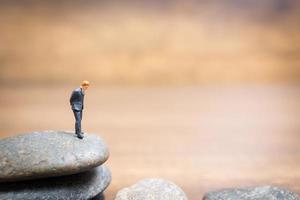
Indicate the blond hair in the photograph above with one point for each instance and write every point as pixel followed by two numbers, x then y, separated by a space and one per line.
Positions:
pixel 85 83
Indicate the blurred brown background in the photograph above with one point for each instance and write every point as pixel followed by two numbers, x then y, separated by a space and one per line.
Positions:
pixel 153 42
pixel 204 93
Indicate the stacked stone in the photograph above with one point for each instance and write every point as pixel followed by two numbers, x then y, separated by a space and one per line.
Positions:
pixel 53 165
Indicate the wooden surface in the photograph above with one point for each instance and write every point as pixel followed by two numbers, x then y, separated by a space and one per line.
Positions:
pixel 201 138
pixel 149 42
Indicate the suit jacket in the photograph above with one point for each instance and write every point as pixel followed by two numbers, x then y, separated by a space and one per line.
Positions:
pixel 76 99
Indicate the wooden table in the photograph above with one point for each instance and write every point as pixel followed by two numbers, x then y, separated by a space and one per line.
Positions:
pixel 202 138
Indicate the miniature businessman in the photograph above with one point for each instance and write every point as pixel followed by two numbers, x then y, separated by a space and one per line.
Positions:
pixel 76 102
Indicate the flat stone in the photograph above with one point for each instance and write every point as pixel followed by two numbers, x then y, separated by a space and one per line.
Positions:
pixel 49 153
pixel 85 185
pixel 152 189
pixel 252 193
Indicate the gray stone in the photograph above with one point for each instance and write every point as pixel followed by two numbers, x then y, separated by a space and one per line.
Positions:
pixel 152 189
pixel 49 153
pixel 80 186
pixel 252 193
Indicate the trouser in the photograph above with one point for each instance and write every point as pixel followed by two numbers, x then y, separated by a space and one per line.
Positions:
pixel 78 117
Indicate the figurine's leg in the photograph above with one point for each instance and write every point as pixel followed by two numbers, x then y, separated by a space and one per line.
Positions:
pixel 80 122
pixel 77 115
pixel 76 120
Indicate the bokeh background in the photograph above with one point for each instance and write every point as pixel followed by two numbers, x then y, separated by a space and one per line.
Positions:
pixel 204 93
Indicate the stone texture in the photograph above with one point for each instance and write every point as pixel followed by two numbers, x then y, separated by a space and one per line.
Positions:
pixel 49 153
pixel 152 189
pixel 252 193
pixel 80 186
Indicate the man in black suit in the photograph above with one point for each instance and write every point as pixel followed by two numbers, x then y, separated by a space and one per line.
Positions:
pixel 76 101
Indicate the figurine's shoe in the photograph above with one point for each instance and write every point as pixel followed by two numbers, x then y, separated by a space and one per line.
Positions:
pixel 82 133
pixel 80 136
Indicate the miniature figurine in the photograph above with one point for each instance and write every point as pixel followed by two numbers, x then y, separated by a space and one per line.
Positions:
pixel 76 101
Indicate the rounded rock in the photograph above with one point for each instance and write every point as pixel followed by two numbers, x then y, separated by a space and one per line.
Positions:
pixel 48 154
pixel 149 189
pixel 85 185
pixel 252 193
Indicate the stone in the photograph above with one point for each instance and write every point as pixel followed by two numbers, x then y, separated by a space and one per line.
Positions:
pixel 49 153
pixel 152 189
pixel 85 185
pixel 252 193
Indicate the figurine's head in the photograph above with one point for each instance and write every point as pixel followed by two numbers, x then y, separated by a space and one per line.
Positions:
pixel 85 85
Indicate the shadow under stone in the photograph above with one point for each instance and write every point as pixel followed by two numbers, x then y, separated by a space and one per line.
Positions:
pixel 99 197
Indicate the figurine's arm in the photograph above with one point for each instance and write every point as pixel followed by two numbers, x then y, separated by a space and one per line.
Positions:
pixel 73 96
